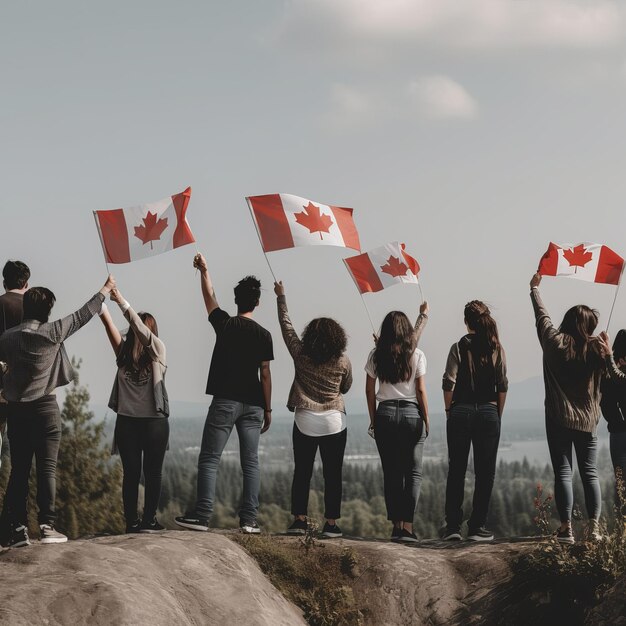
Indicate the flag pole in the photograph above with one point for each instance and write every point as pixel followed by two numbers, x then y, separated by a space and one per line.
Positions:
pixel 369 317
pixel 95 217
pixel 613 306
pixel 260 240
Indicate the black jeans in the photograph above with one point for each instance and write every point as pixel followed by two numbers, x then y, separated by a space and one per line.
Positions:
pixel 400 435
pixel 34 429
pixel 478 426
pixel 142 441
pixel 331 448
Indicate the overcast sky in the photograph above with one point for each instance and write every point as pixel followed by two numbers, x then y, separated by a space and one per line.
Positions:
pixel 475 132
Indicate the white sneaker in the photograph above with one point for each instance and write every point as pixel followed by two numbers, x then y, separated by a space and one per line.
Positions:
pixel 50 535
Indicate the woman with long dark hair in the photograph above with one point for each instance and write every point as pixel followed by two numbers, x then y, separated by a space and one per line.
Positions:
pixel 573 367
pixel 613 405
pixel 398 412
pixel 474 392
pixel 140 400
pixel 323 373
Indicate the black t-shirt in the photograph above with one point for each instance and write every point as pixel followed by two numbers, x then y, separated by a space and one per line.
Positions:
pixel 241 346
pixel 11 307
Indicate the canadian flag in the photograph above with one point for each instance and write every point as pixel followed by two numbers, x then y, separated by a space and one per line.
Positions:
pixel 145 230
pixel 286 221
pixel 382 267
pixel 593 262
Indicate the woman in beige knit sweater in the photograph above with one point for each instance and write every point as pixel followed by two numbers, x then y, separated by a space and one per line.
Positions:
pixel 323 373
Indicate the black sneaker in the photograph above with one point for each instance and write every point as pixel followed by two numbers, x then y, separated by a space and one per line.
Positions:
pixel 250 528
pixel 331 532
pixel 133 527
pixel 193 522
pixel 50 535
pixel 565 536
pixel 451 534
pixel 298 527
pixel 480 534
pixel 396 533
pixel 406 537
pixel 18 537
pixel 151 527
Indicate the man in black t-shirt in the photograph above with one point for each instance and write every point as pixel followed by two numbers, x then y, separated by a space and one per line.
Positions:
pixel 15 275
pixel 241 399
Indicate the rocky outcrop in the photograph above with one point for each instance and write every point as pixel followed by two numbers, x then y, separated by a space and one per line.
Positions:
pixel 612 610
pixel 169 578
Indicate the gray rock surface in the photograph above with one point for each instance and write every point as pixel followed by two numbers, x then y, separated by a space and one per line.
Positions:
pixel 174 578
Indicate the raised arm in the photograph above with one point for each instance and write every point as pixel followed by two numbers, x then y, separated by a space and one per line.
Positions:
pixel 61 329
pixel 115 338
pixel 208 293
pixel 546 331
pixel 422 319
pixel 290 336
pixel 156 348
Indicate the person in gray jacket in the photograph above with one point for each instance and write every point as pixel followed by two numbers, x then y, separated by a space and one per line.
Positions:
pixel 140 400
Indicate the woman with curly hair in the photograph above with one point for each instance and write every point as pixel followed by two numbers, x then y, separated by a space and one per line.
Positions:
pixel 399 422
pixel 322 374
pixel 474 392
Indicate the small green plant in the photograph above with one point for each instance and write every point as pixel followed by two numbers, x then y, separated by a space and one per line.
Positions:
pixel 309 540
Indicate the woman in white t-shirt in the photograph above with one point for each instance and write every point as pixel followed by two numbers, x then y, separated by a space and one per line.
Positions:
pixel 400 420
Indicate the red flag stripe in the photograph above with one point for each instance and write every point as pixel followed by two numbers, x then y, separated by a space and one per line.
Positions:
pixel 114 236
pixel 549 262
pixel 414 266
pixel 271 221
pixel 610 267
pixel 364 273
pixel 345 223
pixel 182 234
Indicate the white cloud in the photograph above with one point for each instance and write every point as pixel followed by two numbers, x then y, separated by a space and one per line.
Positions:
pixel 475 24
pixel 439 97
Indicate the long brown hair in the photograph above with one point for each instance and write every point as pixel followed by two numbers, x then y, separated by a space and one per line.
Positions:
pixel 579 323
pixel 486 340
pixel 394 348
pixel 132 354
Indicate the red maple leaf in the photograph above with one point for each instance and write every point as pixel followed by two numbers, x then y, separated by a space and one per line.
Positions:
pixel 577 256
pixel 313 219
pixel 151 229
pixel 394 267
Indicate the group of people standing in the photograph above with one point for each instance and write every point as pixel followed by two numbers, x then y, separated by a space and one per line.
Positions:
pixel 579 371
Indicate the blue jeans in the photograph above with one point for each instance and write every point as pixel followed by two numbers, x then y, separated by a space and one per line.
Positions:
pixel 478 426
pixel 223 415
pixel 400 435
pixel 560 441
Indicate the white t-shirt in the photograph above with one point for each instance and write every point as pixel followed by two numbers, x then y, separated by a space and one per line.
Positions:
pixel 319 423
pixel 404 390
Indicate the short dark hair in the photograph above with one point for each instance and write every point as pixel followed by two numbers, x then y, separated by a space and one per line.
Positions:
pixel 247 294
pixel 15 275
pixel 38 302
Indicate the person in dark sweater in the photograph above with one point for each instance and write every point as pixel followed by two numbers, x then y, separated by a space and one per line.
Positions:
pixel 613 406
pixel 15 275
pixel 323 373
pixel 241 386
pixel 474 392
pixel 574 365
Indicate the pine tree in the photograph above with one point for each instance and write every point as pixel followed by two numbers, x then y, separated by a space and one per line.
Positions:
pixel 89 483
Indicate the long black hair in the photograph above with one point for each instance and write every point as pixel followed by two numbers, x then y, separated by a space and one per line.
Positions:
pixel 486 340
pixel 394 348
pixel 133 354
pixel 579 323
pixel 619 345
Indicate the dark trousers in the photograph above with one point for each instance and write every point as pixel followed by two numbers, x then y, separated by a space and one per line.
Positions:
pixel 560 442
pixel 478 426
pixel 617 446
pixel 399 432
pixel 331 448
pixel 34 430
pixel 142 442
